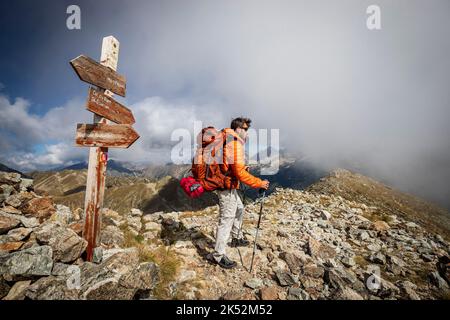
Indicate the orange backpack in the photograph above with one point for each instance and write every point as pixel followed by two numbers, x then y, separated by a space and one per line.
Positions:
pixel 206 164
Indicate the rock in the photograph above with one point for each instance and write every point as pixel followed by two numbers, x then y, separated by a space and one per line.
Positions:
pixel 7 223
pixel 18 290
pixel 77 227
pixel 380 226
pixel 363 236
pixel 26 184
pixel 333 280
pixel 26 222
pixel 407 289
pixel 285 278
pixel 4 287
pixel 325 215
pixel 41 208
pixel 9 178
pixel 348 262
pixel 11 210
pixel 269 293
pixel 318 250
pixel 135 223
pixel 282 233
pixel 313 271
pixel 373 247
pixel 5 191
pixel 185 275
pixel 297 294
pixel 66 244
pixel 63 215
pixel 294 263
pixel 101 282
pixel 152 226
pixel 427 257
pixel 377 258
pixel 347 293
pixel 60 269
pixel 112 236
pixel 13 201
pixel 396 261
pixel 438 281
pixel 145 276
pixel 11 246
pixel 52 288
pixel 254 283
pixel 19 234
pixel 97 255
pixel 35 261
pixel 136 212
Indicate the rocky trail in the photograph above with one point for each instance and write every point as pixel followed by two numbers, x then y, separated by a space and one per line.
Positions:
pixel 310 246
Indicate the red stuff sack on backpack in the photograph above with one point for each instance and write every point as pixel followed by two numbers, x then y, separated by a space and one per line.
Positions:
pixel 192 187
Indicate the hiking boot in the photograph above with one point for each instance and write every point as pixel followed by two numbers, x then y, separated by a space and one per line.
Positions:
pixel 226 263
pixel 239 242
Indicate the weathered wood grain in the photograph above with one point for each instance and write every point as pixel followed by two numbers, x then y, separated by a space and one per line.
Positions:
pixel 108 108
pixel 105 135
pixel 94 73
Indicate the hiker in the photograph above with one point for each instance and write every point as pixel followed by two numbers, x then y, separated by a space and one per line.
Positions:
pixel 231 208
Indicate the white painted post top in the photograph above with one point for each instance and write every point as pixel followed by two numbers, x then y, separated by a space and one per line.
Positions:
pixel 110 52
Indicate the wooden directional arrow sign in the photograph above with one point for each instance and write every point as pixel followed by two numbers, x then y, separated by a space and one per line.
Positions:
pixel 107 107
pixel 105 135
pixel 94 73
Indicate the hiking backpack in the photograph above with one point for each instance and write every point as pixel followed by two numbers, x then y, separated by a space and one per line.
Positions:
pixel 206 167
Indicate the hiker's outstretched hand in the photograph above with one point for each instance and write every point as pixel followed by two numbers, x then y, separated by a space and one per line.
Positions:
pixel 265 184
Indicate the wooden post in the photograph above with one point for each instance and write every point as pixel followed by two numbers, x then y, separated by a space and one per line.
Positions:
pixel 95 186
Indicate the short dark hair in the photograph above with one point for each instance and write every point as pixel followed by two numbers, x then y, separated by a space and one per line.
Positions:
pixel 239 123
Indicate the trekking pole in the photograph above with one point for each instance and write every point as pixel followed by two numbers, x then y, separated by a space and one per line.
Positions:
pixel 257 228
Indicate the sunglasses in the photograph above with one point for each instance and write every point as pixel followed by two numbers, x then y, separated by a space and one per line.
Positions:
pixel 246 129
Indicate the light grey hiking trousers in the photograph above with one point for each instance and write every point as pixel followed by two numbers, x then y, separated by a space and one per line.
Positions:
pixel 231 212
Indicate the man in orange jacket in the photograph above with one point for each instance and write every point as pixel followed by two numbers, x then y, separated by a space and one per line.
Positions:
pixel 231 208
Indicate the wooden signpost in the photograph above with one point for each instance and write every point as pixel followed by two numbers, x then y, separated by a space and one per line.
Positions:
pixel 102 134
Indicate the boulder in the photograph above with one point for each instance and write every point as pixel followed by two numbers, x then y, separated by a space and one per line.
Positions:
pixel 41 208
pixel 18 290
pixel 347 293
pixel 102 281
pixel 294 263
pixel 437 280
pixel 26 222
pixel 285 278
pixel 35 261
pixel 254 283
pixel 11 246
pixel 4 287
pixel 380 226
pixel 320 250
pixel 5 192
pixel 63 215
pixel 13 201
pixel 297 294
pixel 269 293
pixel 66 244
pixel 112 236
pixel 7 223
pixel 377 258
pixel 10 178
pixel 52 288
pixel 19 234
pixel 26 184
pixel 144 276
pixel 136 212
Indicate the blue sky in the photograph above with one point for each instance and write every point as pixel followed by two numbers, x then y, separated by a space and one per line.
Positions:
pixel 337 91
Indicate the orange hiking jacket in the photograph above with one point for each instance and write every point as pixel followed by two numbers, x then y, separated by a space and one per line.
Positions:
pixel 234 162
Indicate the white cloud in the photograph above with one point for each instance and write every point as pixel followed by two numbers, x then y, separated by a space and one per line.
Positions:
pixel 31 142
